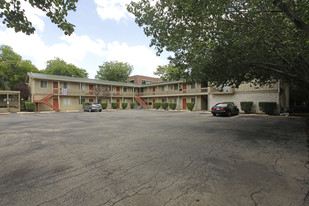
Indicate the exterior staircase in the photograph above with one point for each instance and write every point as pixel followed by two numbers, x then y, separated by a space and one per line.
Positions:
pixel 46 103
pixel 141 101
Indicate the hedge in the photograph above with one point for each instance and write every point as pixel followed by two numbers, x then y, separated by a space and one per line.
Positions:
pixel 157 105
pixel 30 106
pixel 246 106
pixel 132 105
pixel 115 105
pixel 164 105
pixel 190 105
pixel 104 105
pixel 268 107
pixel 124 105
pixel 172 105
pixel 84 103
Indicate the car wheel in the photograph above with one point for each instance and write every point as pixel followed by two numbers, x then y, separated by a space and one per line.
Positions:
pixel 229 113
pixel 89 110
pixel 214 115
pixel 100 110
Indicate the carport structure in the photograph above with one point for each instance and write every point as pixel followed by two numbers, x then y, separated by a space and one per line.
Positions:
pixel 9 101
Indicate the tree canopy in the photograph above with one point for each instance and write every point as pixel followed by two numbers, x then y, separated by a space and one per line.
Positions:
pixel 14 15
pixel 58 66
pixel 169 73
pixel 228 41
pixel 13 69
pixel 114 71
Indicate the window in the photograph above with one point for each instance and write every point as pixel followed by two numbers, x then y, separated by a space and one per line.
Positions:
pixel 164 88
pixel 66 101
pixel 82 100
pixel 43 84
pixel 100 101
pixel 164 100
pixel 65 85
pixel 83 86
pixel 204 84
pixel 175 86
pixel 142 90
pixel 175 100
pixel 193 85
pixel 193 100
pixel 125 89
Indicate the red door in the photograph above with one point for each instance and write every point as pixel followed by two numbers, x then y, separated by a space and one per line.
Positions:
pixel 55 103
pixel 154 90
pixel 184 86
pixel 118 100
pixel 55 87
pixel 118 91
pixel 91 89
pixel 90 100
pixel 153 101
pixel 184 103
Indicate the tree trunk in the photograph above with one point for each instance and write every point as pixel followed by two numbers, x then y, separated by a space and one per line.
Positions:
pixel 6 87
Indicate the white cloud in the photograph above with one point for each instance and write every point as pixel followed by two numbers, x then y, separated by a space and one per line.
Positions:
pixel 142 58
pixel 82 52
pixel 112 9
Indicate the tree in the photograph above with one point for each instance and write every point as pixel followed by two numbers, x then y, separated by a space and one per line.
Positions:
pixel 24 90
pixel 114 71
pixel 58 66
pixel 13 69
pixel 169 73
pixel 14 15
pixel 230 42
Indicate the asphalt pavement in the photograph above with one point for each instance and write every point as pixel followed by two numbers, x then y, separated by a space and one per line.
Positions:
pixel 139 157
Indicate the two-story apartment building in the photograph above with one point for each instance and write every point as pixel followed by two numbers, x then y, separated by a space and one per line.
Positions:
pixel 53 92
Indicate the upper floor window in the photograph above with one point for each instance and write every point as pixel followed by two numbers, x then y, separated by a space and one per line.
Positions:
pixel 83 86
pixel 65 85
pixel 175 86
pixel 164 88
pixel 43 84
pixel 125 89
pixel 204 84
pixel 193 85
pixel 193 100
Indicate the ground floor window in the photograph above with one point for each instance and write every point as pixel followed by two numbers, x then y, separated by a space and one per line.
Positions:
pixel 82 100
pixel 66 101
pixel 164 100
pixel 193 100
pixel 99 101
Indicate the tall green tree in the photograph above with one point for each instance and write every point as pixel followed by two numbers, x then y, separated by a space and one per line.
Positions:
pixel 13 69
pixel 169 72
pixel 114 71
pixel 58 66
pixel 14 15
pixel 228 41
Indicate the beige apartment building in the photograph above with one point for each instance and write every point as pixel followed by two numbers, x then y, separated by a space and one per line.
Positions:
pixel 61 93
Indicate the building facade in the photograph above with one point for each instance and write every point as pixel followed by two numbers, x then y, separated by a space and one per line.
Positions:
pixel 139 79
pixel 53 92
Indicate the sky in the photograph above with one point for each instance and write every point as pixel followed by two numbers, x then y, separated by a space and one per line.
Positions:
pixel 104 31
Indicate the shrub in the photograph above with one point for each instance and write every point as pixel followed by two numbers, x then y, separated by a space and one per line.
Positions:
pixel 164 105
pixel 157 105
pixel 84 103
pixel 124 105
pixel 268 107
pixel 132 105
pixel 190 105
pixel 115 105
pixel 228 102
pixel 246 106
pixel 104 105
pixel 30 106
pixel 172 105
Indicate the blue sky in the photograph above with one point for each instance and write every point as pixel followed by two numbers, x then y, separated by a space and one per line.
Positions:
pixel 104 31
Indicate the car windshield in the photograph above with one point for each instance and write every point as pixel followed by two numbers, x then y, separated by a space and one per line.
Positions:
pixel 96 104
pixel 221 105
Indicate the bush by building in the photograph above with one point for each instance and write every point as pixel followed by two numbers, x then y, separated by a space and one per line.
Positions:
pixel 172 105
pixel 268 107
pixel 190 105
pixel 132 105
pixel 104 105
pixel 246 106
pixel 164 105
pixel 157 105
pixel 124 105
pixel 30 106
pixel 115 105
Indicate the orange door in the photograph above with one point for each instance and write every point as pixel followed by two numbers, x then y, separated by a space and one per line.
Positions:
pixel 118 91
pixel 184 103
pixel 184 86
pixel 91 89
pixel 55 87
pixel 90 100
pixel 118 100
pixel 55 103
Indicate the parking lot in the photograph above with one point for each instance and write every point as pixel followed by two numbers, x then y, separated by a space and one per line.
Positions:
pixel 139 157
